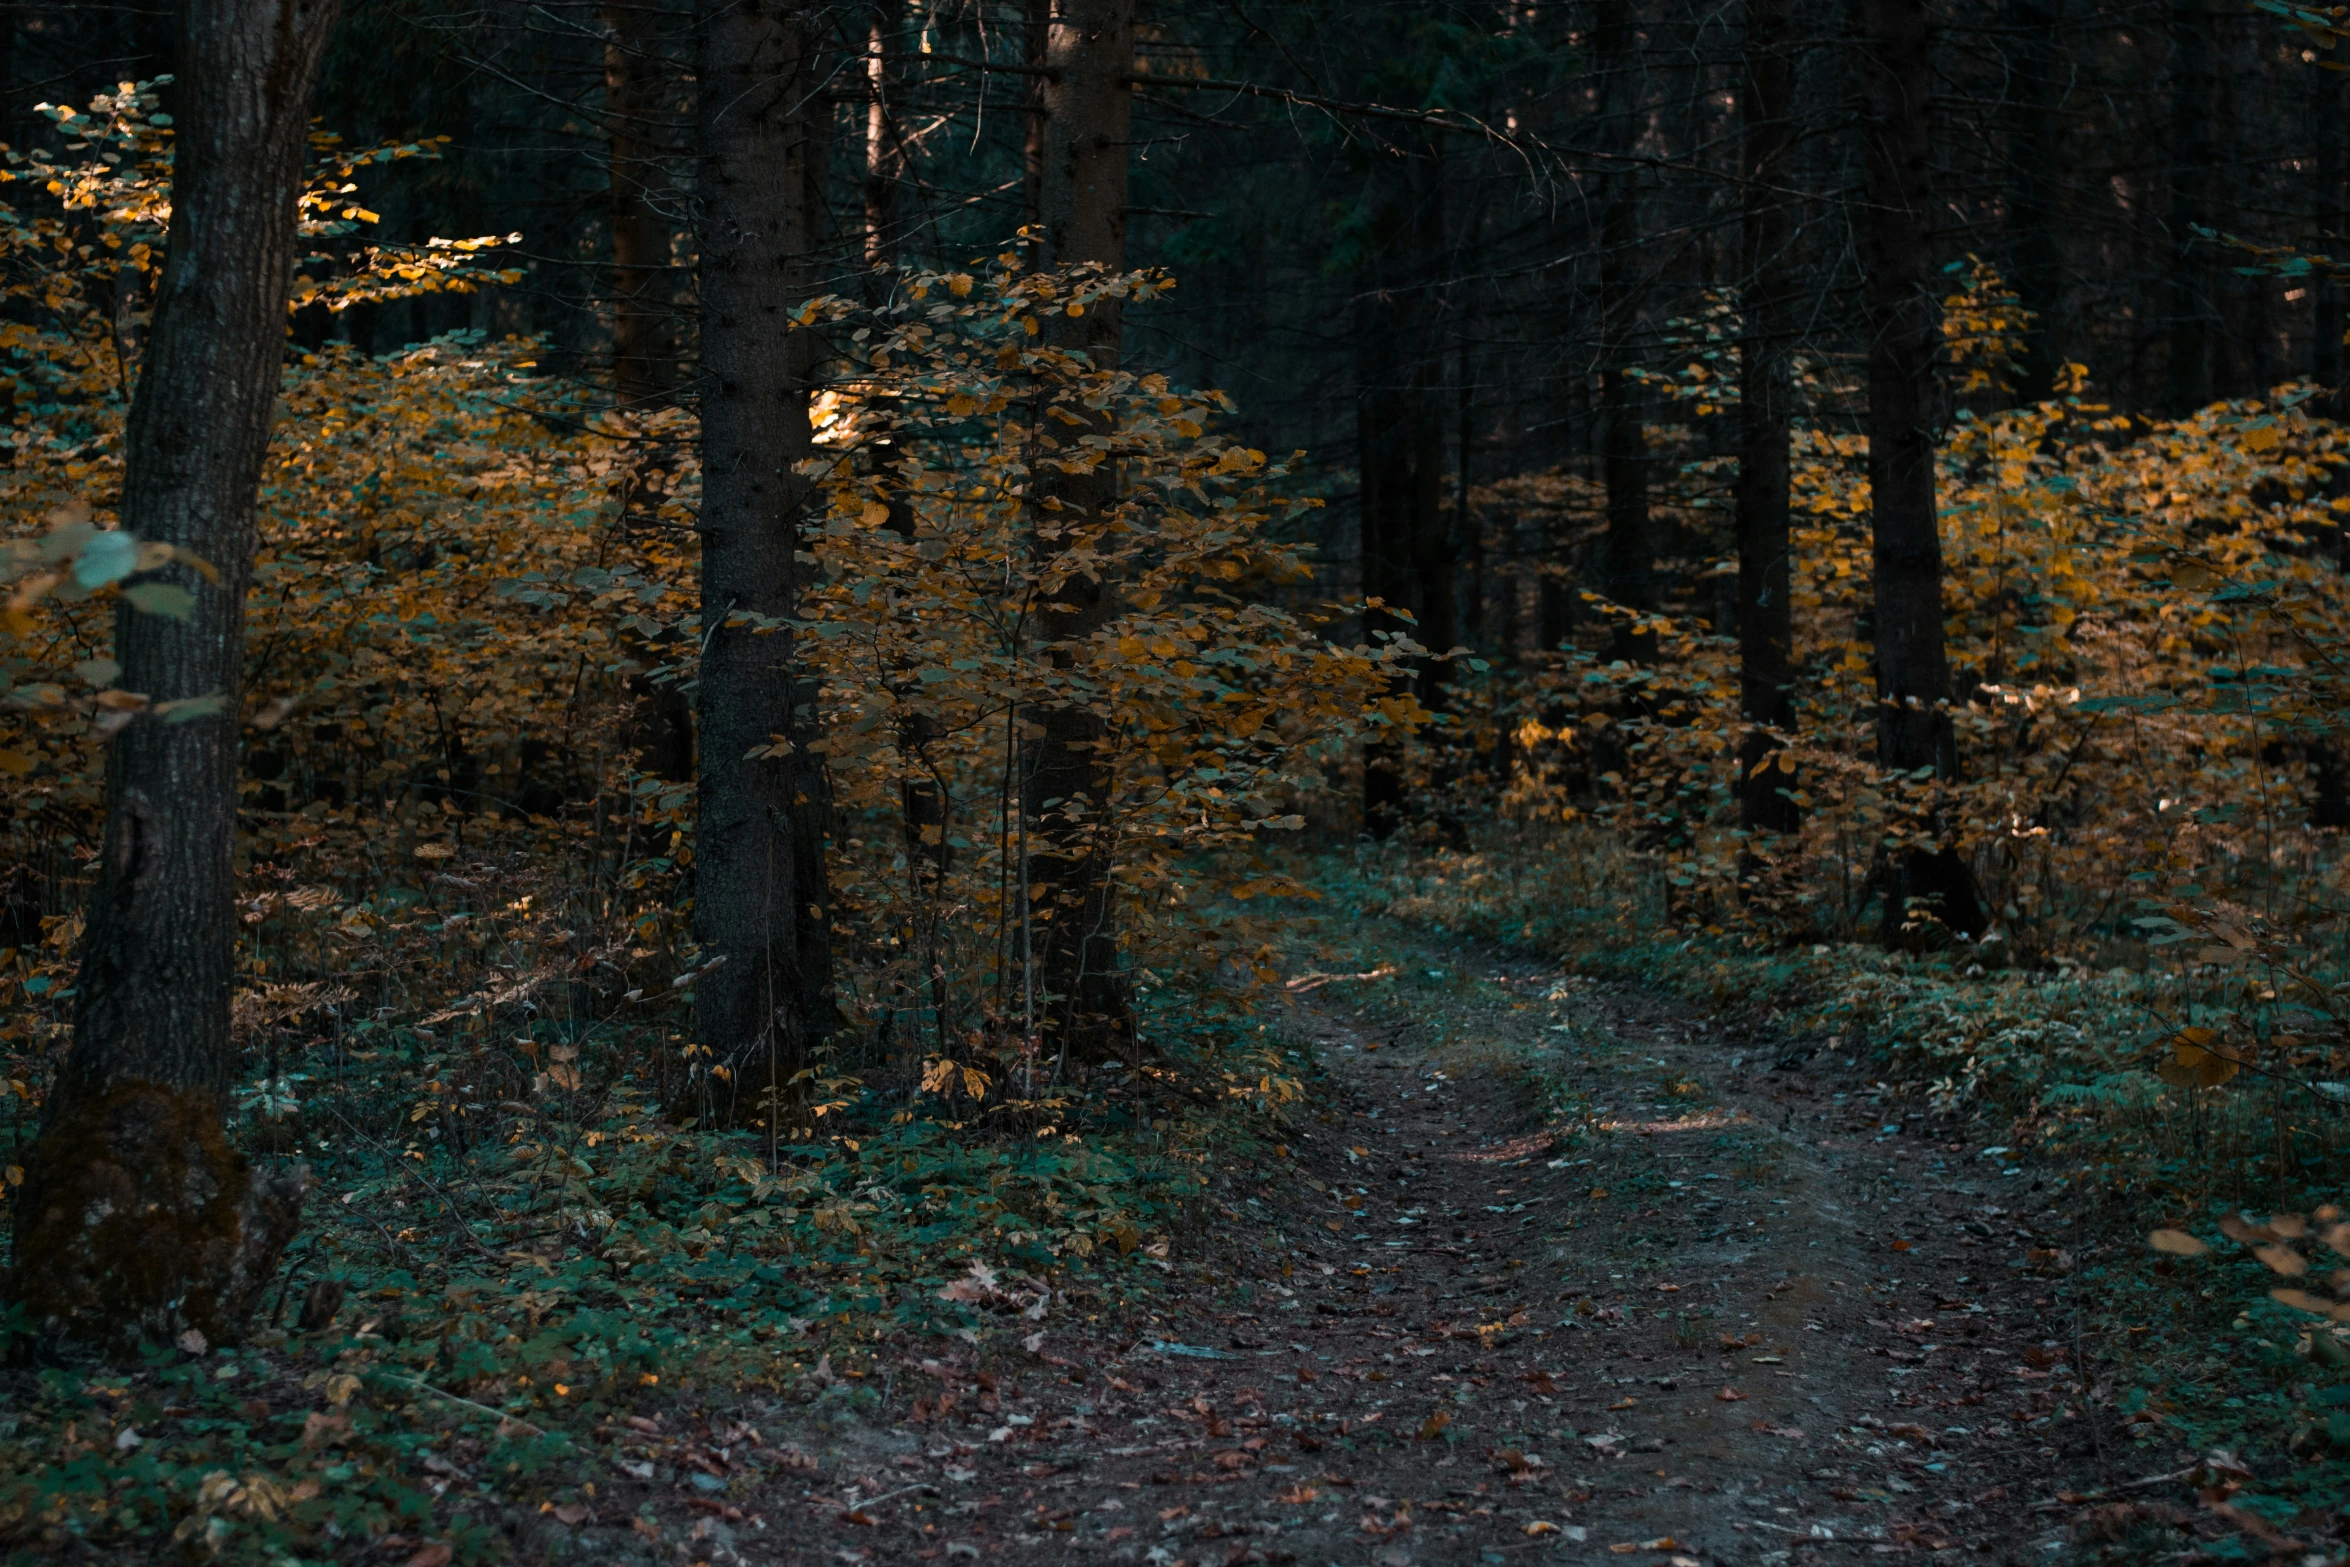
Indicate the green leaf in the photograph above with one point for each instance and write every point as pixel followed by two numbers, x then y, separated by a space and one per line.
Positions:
pixel 105 557
pixel 161 598
pixel 188 707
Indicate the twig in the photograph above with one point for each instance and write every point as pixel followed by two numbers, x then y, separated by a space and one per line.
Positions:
pixel 498 1415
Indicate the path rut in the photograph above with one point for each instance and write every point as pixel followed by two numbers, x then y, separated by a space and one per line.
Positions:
pixel 1675 1296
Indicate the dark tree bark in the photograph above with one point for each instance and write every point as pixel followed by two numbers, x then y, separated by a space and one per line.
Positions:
pixel 1913 669
pixel 1035 38
pixel 761 903
pixel 2332 214
pixel 1399 445
pixel 644 349
pixel 1631 547
pixel 136 1218
pixel 2194 105
pixel 1087 1010
pixel 1765 617
pixel 2034 146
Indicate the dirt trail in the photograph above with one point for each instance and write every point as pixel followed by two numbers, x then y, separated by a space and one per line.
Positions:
pixel 1748 1312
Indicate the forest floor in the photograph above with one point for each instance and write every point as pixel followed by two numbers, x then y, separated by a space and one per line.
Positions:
pixel 1556 1271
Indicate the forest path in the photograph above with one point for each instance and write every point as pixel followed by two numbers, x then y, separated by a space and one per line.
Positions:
pixel 1723 1309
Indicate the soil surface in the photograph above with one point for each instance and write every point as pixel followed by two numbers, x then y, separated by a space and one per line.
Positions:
pixel 1730 1304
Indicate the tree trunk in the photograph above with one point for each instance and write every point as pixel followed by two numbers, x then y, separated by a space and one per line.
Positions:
pixel 2193 105
pixel 644 352
pixel 2034 138
pixel 1913 669
pixel 2326 129
pixel 1399 446
pixel 885 155
pixel 1088 1013
pixel 1630 550
pixel 1765 616
pixel 1035 40
pixel 137 1219
pixel 760 896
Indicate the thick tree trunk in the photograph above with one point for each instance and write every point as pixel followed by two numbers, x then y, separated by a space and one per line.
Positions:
pixel 1087 1010
pixel 760 896
pixel 1913 669
pixel 1631 547
pixel 644 350
pixel 2193 107
pixel 2034 145
pixel 137 1219
pixel 1765 616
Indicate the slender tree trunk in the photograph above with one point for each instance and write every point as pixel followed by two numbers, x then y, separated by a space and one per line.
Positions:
pixel 644 350
pixel 2034 146
pixel 1468 534
pixel 1036 38
pixel 1631 547
pixel 1399 446
pixel 1913 668
pixel 2326 327
pixel 1088 1013
pixel 884 153
pixel 1765 617
pixel 760 896
pixel 137 1219
pixel 2193 107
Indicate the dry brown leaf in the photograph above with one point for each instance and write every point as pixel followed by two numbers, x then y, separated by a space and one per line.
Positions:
pixel 2282 1259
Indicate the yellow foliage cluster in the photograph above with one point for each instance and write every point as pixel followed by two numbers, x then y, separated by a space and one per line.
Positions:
pixel 472 612
pixel 2144 621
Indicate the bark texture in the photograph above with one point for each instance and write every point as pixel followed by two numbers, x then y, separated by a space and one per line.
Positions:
pixel 644 348
pixel 1913 670
pixel 885 153
pixel 2194 108
pixel 1630 550
pixel 760 898
pixel 1086 1008
pixel 136 1218
pixel 2035 136
pixel 2332 219
pixel 1406 541
pixel 1765 618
